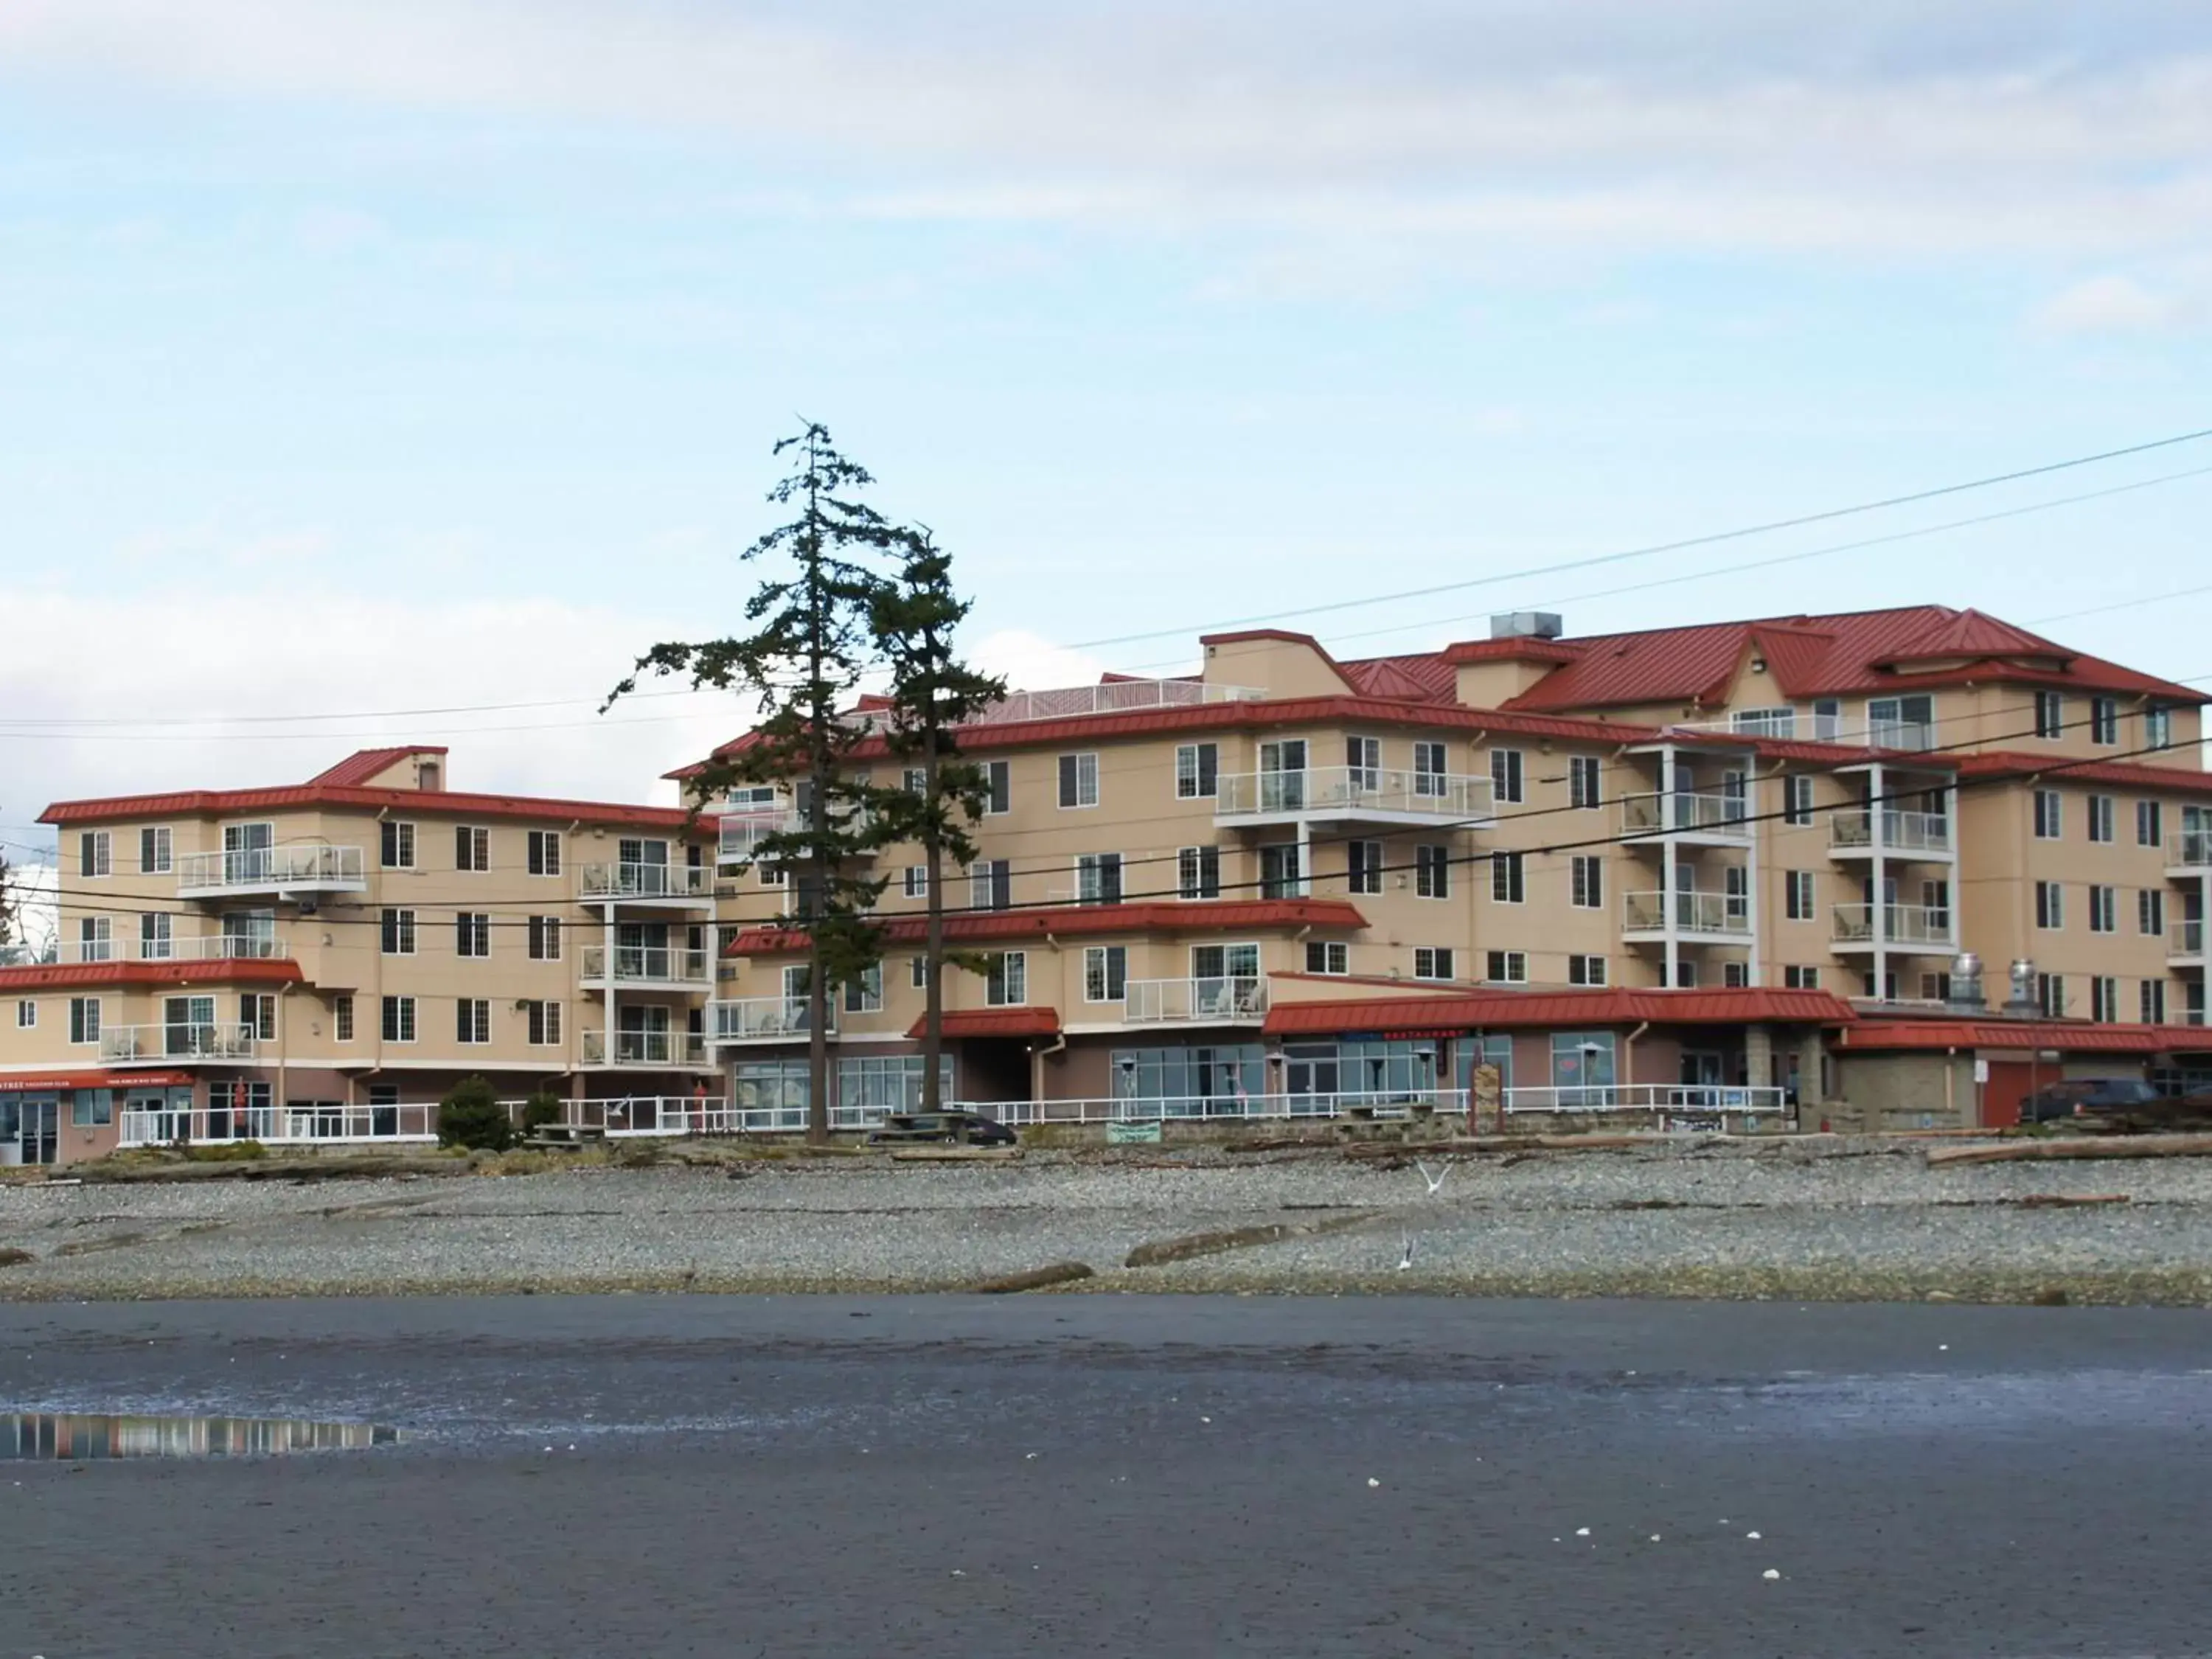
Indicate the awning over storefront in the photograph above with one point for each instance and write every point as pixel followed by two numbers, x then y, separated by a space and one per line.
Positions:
pixel 1495 1011
pixel 1997 1036
pixel 996 1023
pixel 40 1083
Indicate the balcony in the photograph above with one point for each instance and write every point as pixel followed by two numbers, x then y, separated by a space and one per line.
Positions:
pixel 686 885
pixel 761 1019
pixel 1791 725
pixel 743 829
pixel 2189 854
pixel 2185 946
pixel 647 967
pixel 214 947
pixel 672 1048
pixel 1368 794
pixel 324 1124
pixel 164 1045
pixel 1705 818
pixel 287 873
pixel 1922 929
pixel 1236 999
pixel 1850 833
pixel 1697 916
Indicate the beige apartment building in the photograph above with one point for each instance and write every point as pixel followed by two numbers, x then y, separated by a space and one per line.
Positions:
pixel 1728 867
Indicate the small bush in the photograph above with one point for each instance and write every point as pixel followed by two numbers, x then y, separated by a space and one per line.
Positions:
pixel 470 1115
pixel 225 1152
pixel 541 1108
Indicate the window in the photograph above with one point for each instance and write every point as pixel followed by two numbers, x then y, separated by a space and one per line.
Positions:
pixel 990 885
pixel 998 778
pixel 27 1014
pixel 1583 772
pixel 1586 883
pixel 1098 877
pixel 2050 714
pixel 1936 900
pixel 2103 999
pixel 472 933
pixel 472 848
pixel 915 881
pixel 1198 771
pixel 257 1012
pixel 1797 894
pixel 1363 763
pixel 95 939
pixel 1432 767
pixel 1505 774
pixel 2150 912
pixel 544 854
pixel 1198 872
pixel 396 845
pixel 1432 963
pixel 1797 798
pixel 544 934
pixel 2047 821
pixel 2100 817
pixel 544 1018
pixel 917 972
pixel 1328 956
pixel 914 780
pixel 1105 973
pixel 2150 1001
pixel 84 1020
pixel 1507 886
pixel 342 1018
pixel 472 1020
pixel 1362 866
pixel 1685 976
pixel 1506 967
pixel 2104 910
pixel 2150 825
pixel 2103 719
pixel 94 854
pixel 1280 875
pixel 1735 975
pixel 1935 987
pixel 864 991
pixel 1006 982
pixel 1800 979
pixel 399 1019
pixel 2050 905
pixel 1432 871
pixel 1586 971
pixel 155 940
pixel 2050 995
pixel 2158 734
pixel 156 850
pixel 399 933
pixel 1079 780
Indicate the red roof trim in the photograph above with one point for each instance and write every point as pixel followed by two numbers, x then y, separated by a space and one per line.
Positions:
pixel 207 803
pixel 973 1023
pixel 1616 1006
pixel 364 764
pixel 1996 764
pixel 40 1082
pixel 2069 1037
pixel 228 970
pixel 1521 648
pixel 1202 916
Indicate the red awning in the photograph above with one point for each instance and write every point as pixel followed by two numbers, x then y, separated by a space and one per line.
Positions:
pixel 997 1023
pixel 47 1082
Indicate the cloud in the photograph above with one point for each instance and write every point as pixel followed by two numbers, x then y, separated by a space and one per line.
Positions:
pixel 2111 305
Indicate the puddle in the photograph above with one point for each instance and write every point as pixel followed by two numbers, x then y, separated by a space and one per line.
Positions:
pixel 72 1437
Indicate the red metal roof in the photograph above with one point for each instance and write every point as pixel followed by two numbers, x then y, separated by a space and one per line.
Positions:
pixel 1424 678
pixel 1563 1009
pixel 1212 915
pixel 2068 1037
pixel 1519 648
pixel 223 971
pixel 364 764
pixel 1970 634
pixel 40 1082
pixel 996 1023
pixel 2125 775
pixel 208 803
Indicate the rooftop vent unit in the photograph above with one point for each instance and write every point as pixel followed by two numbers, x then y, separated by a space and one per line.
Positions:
pixel 1527 625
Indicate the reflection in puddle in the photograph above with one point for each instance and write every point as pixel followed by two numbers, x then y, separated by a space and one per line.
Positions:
pixel 70 1436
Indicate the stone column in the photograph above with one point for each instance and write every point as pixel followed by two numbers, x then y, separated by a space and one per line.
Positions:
pixel 1757 1056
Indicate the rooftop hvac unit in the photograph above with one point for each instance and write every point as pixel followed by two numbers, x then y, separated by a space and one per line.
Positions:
pixel 1527 625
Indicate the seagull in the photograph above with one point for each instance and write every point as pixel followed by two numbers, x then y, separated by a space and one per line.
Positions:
pixel 1435 1180
pixel 1405 1260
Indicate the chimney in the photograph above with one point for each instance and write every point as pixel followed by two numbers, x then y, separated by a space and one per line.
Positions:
pixel 1527 625
pixel 2022 1004
pixel 1965 996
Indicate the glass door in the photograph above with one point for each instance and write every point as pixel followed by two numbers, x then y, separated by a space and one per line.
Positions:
pixel 1283 775
pixel 249 852
pixel 644 867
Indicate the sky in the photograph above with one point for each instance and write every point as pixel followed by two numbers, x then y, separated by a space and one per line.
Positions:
pixel 417 363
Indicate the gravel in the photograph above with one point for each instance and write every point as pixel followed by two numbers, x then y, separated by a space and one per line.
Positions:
pixel 1831 1219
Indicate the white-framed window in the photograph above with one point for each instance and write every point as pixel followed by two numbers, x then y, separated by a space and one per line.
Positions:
pixel 257 1012
pixel 341 1017
pixel 472 933
pixel 1431 770
pixel 1585 787
pixel 1098 877
pixel 2050 714
pixel 1362 866
pixel 990 885
pixel 544 936
pixel 1079 780
pixel 544 853
pixel 2150 1001
pixel 1797 894
pixel 1797 798
pixel 1586 882
pixel 1432 962
pixel 2104 910
pixel 1281 875
pixel 2050 906
pixel 864 991
pixel 998 788
pixel 1586 971
pixel 1198 771
pixel 917 972
pixel 1935 987
pixel 1105 973
pixel 1198 872
pixel 95 940
pixel 2050 815
pixel 2100 817
pixel 396 845
pixel 1432 871
pixel 399 1019
pixel 156 936
pixel 914 780
pixel 472 848
pixel 157 848
pixel 2103 719
pixel 914 881
pixel 2150 823
pixel 1794 978
pixel 2103 999
pixel 2158 734
pixel 1507 884
pixel 544 1019
pixel 1328 956
pixel 1735 976
pixel 1506 775
pixel 2150 913
pixel 1505 967
pixel 1006 980
pixel 26 1014
pixel 84 1020
pixel 472 1020
pixel 2050 995
pixel 95 853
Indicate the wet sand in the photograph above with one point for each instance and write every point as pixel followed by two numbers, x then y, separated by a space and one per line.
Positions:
pixel 1117 1476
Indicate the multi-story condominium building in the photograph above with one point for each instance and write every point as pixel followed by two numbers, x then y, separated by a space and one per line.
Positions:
pixel 1720 866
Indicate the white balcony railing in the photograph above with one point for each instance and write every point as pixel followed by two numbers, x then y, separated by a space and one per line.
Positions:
pixel 742 832
pixel 1350 791
pixel 1111 697
pixel 324 1124
pixel 2189 849
pixel 603 882
pixel 1715 913
pixel 304 867
pixel 212 947
pixel 1231 999
pixel 130 1045
pixel 1901 831
pixel 2186 939
pixel 1664 1100
pixel 652 964
pixel 1684 811
pixel 645 1048
pixel 1789 725
pixel 760 1019
pixel 1901 924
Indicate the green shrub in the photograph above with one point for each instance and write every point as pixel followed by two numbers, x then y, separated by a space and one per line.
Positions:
pixel 541 1108
pixel 225 1152
pixel 470 1115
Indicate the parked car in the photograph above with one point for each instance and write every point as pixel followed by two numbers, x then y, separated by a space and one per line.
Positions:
pixel 952 1128
pixel 2087 1096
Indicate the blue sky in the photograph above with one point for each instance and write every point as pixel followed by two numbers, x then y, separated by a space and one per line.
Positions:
pixel 357 357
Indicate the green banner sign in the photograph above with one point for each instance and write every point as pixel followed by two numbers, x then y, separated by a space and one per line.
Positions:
pixel 1121 1133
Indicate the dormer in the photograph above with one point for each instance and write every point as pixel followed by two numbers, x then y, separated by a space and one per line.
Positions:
pixel 1492 672
pixel 1968 638
pixel 1275 662
pixel 415 766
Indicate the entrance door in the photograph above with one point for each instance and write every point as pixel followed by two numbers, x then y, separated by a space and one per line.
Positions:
pixel 1310 1075
pixel 2010 1083
pixel 30 1129
pixel 1704 1068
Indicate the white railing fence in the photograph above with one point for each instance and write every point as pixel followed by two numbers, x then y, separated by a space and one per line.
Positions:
pixel 214 947
pixel 1694 912
pixel 1720 815
pixel 1353 789
pixel 1901 924
pixel 2189 849
pixel 1901 831
pixel 645 1048
pixel 309 864
pixel 326 1124
pixel 761 1019
pixel 621 881
pixel 662 964
pixel 121 1044
pixel 1230 998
